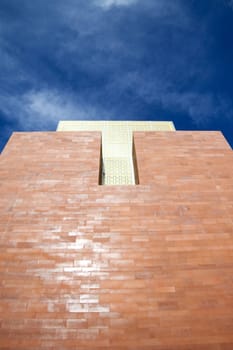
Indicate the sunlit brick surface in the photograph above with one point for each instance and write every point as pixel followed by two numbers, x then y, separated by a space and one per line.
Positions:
pixel 145 267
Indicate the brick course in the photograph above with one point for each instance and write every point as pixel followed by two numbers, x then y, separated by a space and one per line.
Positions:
pixel 146 267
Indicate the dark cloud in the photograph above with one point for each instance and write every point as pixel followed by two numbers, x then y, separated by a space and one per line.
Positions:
pixel 126 59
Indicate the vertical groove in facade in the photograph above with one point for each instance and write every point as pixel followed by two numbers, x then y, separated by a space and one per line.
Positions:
pixel 117 145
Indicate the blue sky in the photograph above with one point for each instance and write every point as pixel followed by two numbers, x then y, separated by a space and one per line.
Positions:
pixel 116 59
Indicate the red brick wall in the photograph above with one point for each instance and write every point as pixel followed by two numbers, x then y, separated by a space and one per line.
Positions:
pixel 84 266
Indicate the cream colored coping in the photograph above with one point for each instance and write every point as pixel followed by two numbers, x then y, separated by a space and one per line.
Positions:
pixel 117 145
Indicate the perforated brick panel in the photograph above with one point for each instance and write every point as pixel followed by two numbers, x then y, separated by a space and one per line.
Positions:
pixel 117 142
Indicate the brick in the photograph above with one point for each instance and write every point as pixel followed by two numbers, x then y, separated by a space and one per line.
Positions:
pixel 146 267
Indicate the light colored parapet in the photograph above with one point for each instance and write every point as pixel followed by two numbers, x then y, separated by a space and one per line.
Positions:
pixel 117 145
pixel 89 125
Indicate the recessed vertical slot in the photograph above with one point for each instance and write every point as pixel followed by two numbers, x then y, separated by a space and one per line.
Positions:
pixel 118 170
pixel 135 164
pixel 101 166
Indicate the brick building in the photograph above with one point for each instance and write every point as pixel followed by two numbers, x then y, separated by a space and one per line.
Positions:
pixel 116 236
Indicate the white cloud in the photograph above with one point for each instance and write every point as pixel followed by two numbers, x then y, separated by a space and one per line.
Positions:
pixel 230 3
pixel 109 3
pixel 41 110
pixel 46 107
pixel 94 43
